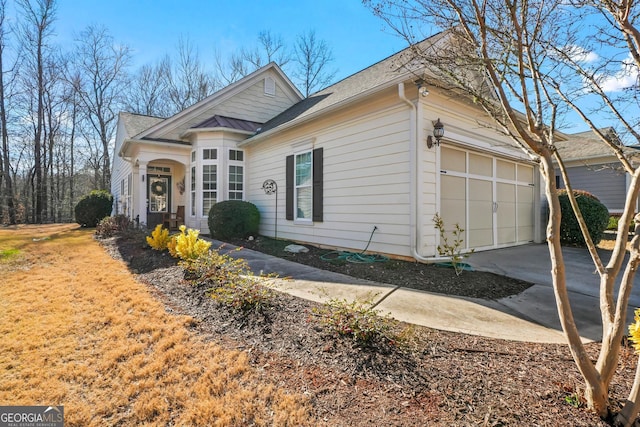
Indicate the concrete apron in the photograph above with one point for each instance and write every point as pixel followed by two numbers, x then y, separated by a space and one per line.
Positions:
pixel 532 263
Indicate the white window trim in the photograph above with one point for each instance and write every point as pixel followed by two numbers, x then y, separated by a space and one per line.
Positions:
pixel 296 219
pixel 228 173
pixel 193 190
pixel 200 179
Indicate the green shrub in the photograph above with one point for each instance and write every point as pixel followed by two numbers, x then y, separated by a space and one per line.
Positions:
pixel 231 281
pixel 595 215
pixel 613 223
pixel 233 218
pixel 356 320
pixel 216 269
pixel 93 207
pixel 244 295
pixel 112 225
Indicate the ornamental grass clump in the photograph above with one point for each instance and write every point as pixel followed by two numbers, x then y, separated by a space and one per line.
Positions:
pixel 187 246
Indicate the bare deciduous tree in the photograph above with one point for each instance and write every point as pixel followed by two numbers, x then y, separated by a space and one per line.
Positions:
pixel 186 79
pixel 102 65
pixel 269 48
pixel 36 28
pixel 147 93
pixel 313 58
pixel 6 179
pixel 521 62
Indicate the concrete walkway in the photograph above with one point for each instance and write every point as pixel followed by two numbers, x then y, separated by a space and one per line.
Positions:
pixel 529 316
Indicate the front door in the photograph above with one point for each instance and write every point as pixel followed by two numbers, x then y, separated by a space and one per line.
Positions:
pixel 159 196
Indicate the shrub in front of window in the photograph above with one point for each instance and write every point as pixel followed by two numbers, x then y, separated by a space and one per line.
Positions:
pixel 596 216
pixel 93 207
pixel 233 218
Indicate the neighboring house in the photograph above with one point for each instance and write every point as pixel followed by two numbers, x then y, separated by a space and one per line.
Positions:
pixel 348 160
pixel 592 166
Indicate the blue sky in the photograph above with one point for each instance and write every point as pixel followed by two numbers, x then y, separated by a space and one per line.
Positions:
pixel 153 28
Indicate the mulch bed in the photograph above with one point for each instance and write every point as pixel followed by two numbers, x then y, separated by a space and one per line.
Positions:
pixel 436 378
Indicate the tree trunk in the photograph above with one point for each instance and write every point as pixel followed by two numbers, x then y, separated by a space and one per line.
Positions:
pixel 596 393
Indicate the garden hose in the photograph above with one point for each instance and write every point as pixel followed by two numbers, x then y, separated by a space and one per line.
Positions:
pixel 355 257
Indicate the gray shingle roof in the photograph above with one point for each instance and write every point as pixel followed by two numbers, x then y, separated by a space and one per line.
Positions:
pixel 137 123
pixel 377 76
pixel 586 145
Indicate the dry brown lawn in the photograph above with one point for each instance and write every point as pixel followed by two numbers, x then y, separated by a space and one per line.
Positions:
pixel 77 330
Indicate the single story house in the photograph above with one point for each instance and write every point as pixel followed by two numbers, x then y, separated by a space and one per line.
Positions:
pixel 592 166
pixel 355 162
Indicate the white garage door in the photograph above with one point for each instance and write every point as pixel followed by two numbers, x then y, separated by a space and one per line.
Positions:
pixel 491 198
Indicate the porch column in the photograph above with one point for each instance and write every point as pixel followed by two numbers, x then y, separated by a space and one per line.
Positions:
pixel 142 192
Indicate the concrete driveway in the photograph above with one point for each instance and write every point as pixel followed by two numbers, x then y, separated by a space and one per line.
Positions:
pixel 532 263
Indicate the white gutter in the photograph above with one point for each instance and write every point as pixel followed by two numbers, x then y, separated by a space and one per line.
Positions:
pixel 414 181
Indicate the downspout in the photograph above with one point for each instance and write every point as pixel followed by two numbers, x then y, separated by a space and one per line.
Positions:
pixel 414 180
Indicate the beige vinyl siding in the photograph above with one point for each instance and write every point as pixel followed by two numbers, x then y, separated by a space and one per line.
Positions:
pixel 121 168
pixel 250 104
pixel 366 179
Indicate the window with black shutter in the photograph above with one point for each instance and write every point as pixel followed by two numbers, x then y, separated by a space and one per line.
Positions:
pixel 304 186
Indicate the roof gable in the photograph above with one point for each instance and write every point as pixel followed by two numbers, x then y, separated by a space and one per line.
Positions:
pixel 246 100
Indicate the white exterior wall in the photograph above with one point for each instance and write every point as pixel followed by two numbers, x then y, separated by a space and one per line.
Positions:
pixel 366 179
pixel 222 142
pixel 120 170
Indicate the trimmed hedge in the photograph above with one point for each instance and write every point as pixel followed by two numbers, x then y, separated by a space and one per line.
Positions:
pixel 93 207
pixel 233 218
pixel 595 214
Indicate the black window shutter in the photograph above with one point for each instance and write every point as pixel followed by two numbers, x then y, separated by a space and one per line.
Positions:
pixel 289 185
pixel 317 185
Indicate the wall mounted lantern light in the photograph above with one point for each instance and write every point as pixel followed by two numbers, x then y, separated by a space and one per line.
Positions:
pixel 438 133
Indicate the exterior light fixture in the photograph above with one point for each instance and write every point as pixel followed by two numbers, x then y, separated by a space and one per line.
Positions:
pixel 422 87
pixel 438 133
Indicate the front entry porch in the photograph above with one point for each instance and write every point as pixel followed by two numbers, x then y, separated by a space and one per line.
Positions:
pixel 162 191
